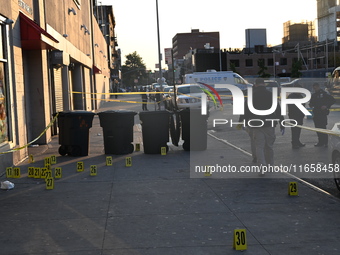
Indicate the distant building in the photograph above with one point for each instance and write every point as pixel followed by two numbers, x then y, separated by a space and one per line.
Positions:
pixel 328 12
pixel 302 33
pixel 256 40
pixel 183 42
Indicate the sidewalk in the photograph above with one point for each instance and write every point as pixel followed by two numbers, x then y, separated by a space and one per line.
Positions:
pixel 154 207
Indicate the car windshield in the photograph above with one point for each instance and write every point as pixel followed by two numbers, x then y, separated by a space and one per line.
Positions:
pixel 271 84
pixel 189 89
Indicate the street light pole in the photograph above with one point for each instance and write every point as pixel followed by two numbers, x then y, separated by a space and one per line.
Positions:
pixel 159 47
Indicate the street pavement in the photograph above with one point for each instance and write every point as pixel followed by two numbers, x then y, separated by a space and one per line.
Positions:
pixel 154 207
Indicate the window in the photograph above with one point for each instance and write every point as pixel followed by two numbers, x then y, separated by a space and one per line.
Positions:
pixel 283 61
pixel 249 62
pixel 270 62
pixel 235 62
pixel 3 98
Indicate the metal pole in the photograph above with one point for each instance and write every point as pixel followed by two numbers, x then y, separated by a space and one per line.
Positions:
pixel 159 47
pixel 220 60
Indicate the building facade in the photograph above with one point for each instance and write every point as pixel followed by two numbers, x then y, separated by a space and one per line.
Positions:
pixel 183 42
pixel 48 64
pixel 328 13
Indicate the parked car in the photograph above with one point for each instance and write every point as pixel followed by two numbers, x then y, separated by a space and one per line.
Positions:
pixel 335 154
pixel 187 96
pixel 292 83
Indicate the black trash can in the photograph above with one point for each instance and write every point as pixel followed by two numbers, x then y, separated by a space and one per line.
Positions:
pixel 118 131
pixel 74 132
pixel 155 130
pixel 194 129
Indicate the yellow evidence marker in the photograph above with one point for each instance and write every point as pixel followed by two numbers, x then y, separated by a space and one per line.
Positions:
pixel 137 146
pixel 163 151
pixel 109 161
pixel 31 172
pixel 16 172
pixel 207 171
pixel 293 189
pixel 49 183
pixel 31 159
pixel 80 166
pixel 53 160
pixel 57 172
pixel 93 170
pixel 47 161
pixel 9 172
pixel 43 172
pixel 128 161
pixel 37 173
pixel 240 240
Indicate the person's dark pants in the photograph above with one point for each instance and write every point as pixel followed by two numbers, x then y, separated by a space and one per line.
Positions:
pixel 320 121
pixel 144 105
pixel 296 131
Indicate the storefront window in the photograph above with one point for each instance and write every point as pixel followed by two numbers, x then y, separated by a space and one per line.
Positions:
pixel 3 104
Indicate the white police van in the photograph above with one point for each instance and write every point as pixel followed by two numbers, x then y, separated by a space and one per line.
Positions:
pixel 212 77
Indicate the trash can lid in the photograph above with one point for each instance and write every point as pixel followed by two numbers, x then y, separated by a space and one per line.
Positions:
pixel 122 111
pixel 76 112
pixel 155 112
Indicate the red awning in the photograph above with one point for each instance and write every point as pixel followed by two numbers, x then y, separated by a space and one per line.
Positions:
pixel 31 34
pixel 96 70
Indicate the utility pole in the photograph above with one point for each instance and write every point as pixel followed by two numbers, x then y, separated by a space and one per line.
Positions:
pixel 159 49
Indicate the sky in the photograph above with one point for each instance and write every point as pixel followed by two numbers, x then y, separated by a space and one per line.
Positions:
pixel 136 22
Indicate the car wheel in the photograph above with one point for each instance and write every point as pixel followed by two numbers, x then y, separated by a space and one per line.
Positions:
pixel 336 161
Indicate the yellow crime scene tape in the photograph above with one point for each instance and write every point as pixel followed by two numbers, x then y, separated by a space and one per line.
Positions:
pixel 28 144
pixel 124 93
pixel 320 130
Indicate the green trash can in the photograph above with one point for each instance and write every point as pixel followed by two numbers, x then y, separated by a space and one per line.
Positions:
pixel 74 129
pixel 118 131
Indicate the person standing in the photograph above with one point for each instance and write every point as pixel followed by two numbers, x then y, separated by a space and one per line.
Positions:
pixel 296 114
pixel 321 101
pixel 263 126
pixel 158 98
pixel 144 100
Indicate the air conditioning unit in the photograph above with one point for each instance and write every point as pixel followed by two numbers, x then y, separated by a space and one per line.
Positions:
pixel 60 58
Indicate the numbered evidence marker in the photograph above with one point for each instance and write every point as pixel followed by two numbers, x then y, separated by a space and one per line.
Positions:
pixel 109 161
pixel 128 161
pixel 93 170
pixel 293 189
pixel 57 172
pixel 53 160
pixel 240 240
pixel 30 172
pixel 16 172
pixel 50 183
pixel 48 174
pixel 47 161
pixel 9 172
pixel 80 166
pixel 137 147
pixel 43 172
pixel 37 172
pixel 207 171
pixel 163 151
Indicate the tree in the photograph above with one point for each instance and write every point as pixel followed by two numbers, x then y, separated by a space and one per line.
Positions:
pixel 262 72
pixel 296 67
pixel 134 70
